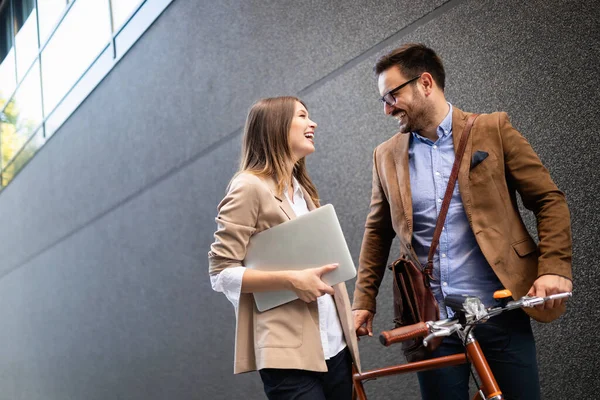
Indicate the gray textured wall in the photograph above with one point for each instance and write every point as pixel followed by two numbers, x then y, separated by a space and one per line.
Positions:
pixel 103 273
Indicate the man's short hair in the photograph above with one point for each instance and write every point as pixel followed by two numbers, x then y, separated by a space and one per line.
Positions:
pixel 413 59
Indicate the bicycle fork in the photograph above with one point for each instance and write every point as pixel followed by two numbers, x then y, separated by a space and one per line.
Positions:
pixel 489 387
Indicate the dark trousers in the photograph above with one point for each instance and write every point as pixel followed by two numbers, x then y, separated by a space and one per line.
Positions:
pixel 509 347
pixel 297 384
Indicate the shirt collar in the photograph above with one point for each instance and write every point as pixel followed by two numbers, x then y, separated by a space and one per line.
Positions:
pixel 297 191
pixel 445 127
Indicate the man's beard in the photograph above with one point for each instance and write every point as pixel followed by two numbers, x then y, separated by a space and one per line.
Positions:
pixel 417 120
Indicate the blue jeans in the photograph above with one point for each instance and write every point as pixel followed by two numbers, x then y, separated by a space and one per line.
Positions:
pixel 297 384
pixel 508 346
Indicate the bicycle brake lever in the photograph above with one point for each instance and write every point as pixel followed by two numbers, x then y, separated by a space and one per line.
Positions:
pixel 427 339
pixel 441 332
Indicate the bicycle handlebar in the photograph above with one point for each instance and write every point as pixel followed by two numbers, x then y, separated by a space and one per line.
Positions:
pixel 446 327
pixel 403 333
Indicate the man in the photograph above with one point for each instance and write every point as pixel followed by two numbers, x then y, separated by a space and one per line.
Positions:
pixel 484 245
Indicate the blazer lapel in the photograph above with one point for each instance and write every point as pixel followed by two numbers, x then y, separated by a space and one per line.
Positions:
pixel 403 175
pixel 459 120
pixel 284 204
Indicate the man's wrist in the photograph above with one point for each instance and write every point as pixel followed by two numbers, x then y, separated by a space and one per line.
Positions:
pixel 560 268
pixel 555 274
pixel 362 306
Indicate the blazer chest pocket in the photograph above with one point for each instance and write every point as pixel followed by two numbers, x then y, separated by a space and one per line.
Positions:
pixel 482 172
pixel 280 326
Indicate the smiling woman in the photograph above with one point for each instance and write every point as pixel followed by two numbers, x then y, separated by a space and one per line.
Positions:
pixel 302 349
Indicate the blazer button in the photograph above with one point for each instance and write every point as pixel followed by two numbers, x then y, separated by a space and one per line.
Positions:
pixel 408 246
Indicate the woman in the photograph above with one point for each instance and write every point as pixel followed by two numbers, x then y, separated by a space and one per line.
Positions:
pixel 303 349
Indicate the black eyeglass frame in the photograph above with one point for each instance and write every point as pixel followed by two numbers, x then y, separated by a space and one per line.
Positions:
pixel 390 93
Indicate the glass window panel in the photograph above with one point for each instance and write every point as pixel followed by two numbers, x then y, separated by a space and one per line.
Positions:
pixel 26 38
pixel 21 117
pixel 26 153
pixel 80 91
pixel 121 10
pixel 49 11
pixel 76 43
pixel 8 78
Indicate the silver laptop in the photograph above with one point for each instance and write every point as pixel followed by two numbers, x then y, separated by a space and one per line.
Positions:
pixel 309 241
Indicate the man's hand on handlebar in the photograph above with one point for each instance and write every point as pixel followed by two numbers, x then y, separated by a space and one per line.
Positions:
pixel 546 285
pixel 363 323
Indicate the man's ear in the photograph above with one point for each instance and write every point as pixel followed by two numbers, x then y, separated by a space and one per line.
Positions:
pixel 427 82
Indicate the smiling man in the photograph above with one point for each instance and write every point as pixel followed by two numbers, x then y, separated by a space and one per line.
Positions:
pixel 484 245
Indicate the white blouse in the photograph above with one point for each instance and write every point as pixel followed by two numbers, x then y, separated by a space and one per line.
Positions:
pixel 229 282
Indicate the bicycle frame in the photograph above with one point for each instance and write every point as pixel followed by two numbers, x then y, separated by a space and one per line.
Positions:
pixel 489 389
pixel 489 386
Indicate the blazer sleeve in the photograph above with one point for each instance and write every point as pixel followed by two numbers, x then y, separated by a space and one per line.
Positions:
pixel 236 223
pixel 526 173
pixel 376 244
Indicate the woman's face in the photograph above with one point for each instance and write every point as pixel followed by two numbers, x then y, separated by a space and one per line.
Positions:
pixel 302 132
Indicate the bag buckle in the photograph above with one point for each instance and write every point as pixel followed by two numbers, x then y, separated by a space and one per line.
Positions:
pixel 428 272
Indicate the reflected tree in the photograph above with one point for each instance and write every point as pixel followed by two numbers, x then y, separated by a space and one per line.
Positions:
pixel 15 133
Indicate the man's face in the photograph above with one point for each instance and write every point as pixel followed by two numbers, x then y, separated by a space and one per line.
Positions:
pixel 410 108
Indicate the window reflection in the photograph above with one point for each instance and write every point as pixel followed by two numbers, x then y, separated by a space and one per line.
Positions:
pixel 21 117
pixel 121 10
pixel 6 42
pixel 8 79
pixel 21 11
pixel 49 11
pixel 24 155
pixel 76 43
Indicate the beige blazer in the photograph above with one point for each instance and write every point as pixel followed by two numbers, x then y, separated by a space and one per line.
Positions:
pixel 286 336
pixel 488 192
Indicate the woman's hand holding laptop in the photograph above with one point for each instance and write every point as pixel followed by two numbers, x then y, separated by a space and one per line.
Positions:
pixel 307 284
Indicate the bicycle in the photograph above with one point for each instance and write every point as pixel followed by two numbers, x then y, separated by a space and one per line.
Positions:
pixel 470 311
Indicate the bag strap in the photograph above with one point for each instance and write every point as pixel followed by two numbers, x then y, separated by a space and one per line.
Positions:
pixel 428 270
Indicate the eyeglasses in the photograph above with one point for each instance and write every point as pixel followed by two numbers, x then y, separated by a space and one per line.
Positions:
pixel 389 97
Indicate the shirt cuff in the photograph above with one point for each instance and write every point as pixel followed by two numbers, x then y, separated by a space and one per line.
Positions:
pixel 229 282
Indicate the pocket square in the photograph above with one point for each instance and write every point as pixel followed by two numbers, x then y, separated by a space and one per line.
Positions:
pixel 478 157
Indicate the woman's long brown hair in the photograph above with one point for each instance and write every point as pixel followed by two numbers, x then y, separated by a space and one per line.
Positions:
pixel 266 151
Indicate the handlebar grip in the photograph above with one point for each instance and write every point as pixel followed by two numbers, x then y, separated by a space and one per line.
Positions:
pixel 403 333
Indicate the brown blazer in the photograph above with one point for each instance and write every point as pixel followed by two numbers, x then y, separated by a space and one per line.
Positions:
pixel 488 194
pixel 286 336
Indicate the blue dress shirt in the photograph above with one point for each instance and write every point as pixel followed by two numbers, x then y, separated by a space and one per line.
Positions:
pixel 459 267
